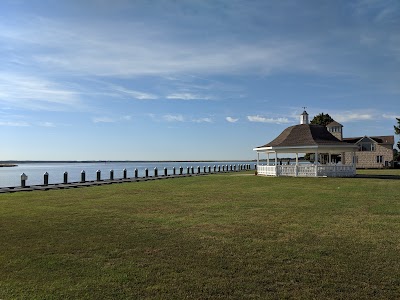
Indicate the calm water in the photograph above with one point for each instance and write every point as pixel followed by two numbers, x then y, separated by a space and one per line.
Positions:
pixel 11 176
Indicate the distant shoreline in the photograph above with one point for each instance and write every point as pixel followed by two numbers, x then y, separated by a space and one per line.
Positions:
pixel 7 165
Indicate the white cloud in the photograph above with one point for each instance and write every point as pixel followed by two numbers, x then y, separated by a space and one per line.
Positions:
pixel 173 118
pixel 47 124
pixel 104 50
pixel 353 116
pixel 261 119
pixel 35 93
pixel 135 94
pixel 103 120
pixel 203 120
pixel 387 116
pixel 231 120
pixel 187 96
pixel 106 119
pixel 14 124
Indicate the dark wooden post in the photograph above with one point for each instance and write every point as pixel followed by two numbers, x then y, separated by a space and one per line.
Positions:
pixel 124 172
pixel 24 178
pixel 174 171
pixel 111 174
pixel 65 177
pixel 165 172
pixel 98 175
pixel 136 173
pixel 46 178
pixel 155 172
pixel 146 172
pixel 83 176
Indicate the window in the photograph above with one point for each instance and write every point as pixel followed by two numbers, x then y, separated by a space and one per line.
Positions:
pixel 379 159
pixel 366 147
pixel 355 159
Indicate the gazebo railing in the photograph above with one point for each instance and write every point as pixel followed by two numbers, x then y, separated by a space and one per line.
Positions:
pixel 308 170
pixel 266 170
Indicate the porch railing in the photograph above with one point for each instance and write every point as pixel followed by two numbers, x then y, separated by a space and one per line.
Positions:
pixel 308 170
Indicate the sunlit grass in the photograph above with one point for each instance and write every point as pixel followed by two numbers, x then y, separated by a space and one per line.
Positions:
pixel 209 237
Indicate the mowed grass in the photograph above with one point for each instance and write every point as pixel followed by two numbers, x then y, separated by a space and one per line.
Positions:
pixel 209 237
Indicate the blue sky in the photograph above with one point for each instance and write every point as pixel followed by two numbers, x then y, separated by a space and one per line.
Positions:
pixel 189 80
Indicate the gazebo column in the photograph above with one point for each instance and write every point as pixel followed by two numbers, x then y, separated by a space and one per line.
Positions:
pixel 296 167
pixel 316 163
pixel 267 158
pixel 276 163
pixel 329 158
pixel 258 159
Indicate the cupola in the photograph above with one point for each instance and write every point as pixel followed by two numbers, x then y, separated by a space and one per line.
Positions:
pixel 304 118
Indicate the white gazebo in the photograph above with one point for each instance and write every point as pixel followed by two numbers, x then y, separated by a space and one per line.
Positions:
pixel 306 138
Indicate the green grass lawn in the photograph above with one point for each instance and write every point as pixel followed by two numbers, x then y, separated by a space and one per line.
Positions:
pixel 208 237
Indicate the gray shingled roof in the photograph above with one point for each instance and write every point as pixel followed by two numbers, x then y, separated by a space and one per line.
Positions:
pixel 334 123
pixel 383 139
pixel 304 135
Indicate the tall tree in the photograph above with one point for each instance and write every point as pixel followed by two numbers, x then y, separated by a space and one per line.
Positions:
pixel 322 119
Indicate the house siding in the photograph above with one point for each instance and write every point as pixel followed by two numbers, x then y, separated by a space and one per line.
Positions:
pixel 368 159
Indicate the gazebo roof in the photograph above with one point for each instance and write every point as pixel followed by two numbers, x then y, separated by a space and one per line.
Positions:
pixel 305 136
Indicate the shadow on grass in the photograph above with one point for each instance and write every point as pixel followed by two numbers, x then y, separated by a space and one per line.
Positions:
pixel 377 176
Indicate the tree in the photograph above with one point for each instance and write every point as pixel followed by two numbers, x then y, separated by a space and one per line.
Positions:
pixel 322 119
pixel 397 131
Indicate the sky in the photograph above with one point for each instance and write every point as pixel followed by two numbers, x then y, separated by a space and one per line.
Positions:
pixel 190 80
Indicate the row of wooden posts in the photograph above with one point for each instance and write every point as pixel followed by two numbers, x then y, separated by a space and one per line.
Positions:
pixel 189 170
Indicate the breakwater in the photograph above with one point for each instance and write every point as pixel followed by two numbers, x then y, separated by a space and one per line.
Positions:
pixel 100 180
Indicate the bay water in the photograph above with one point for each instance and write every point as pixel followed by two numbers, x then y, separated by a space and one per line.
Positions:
pixel 11 176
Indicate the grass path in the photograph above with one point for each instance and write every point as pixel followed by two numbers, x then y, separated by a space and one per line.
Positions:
pixel 209 237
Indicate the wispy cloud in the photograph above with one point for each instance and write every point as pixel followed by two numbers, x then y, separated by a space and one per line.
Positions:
pixel 47 124
pixel 353 116
pixel 261 119
pixel 202 120
pixel 173 118
pixel 231 120
pixel 187 96
pixel 14 124
pixel 103 120
pixel 36 93
pixel 391 116
pixel 88 49
pixel 134 94
pixel 107 119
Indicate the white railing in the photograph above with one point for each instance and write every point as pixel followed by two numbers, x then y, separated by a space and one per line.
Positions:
pixel 308 170
pixel 266 170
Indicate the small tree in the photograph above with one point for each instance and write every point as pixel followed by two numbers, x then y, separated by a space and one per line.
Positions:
pixel 397 131
pixel 322 119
